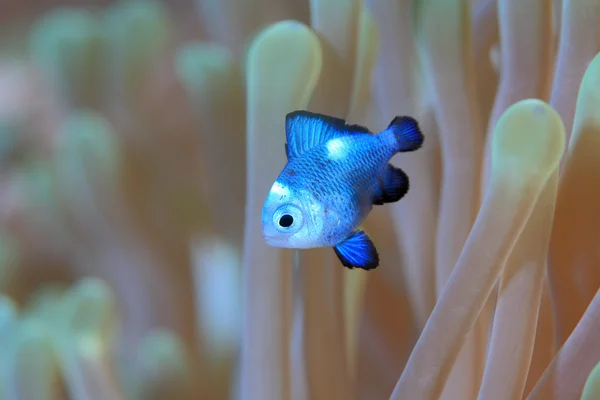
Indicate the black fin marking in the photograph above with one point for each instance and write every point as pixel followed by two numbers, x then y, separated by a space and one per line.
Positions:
pixel 407 132
pixel 358 251
pixel 305 130
pixel 393 185
pixel 358 129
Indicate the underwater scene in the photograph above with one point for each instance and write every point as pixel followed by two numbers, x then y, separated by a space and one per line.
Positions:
pixel 300 200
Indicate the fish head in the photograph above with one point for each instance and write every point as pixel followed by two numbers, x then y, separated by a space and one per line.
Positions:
pixel 290 218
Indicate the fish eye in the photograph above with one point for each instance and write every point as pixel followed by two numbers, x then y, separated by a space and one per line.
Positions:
pixel 286 221
pixel 288 218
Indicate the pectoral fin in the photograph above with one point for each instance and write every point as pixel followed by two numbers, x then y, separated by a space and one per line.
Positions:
pixel 358 251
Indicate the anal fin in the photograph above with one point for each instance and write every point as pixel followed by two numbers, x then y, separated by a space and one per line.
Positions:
pixel 393 185
pixel 358 251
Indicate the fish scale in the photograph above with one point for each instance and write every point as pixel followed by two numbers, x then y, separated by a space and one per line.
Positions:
pixel 360 168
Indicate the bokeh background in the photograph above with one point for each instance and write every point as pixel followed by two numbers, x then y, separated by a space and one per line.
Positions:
pixel 139 138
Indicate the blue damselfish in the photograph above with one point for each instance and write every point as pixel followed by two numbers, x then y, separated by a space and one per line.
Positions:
pixel 334 175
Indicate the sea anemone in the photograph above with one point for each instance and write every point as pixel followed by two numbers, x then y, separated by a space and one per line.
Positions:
pixel 138 140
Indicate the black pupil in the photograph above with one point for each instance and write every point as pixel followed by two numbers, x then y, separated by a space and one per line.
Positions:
pixel 286 220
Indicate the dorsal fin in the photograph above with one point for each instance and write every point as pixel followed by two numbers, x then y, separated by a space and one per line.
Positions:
pixel 305 130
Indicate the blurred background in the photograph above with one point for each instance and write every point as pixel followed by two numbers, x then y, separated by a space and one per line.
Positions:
pixel 138 141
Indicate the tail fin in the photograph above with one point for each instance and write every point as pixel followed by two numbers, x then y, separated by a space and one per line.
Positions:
pixel 407 132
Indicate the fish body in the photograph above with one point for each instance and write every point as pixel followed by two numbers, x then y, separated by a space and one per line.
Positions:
pixel 335 174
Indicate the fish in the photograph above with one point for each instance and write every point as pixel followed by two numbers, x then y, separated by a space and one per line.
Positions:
pixel 335 174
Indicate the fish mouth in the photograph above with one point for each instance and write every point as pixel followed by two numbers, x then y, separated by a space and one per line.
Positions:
pixel 271 241
pixel 267 238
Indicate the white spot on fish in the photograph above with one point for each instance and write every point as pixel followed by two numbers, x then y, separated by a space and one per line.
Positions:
pixel 279 189
pixel 336 149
